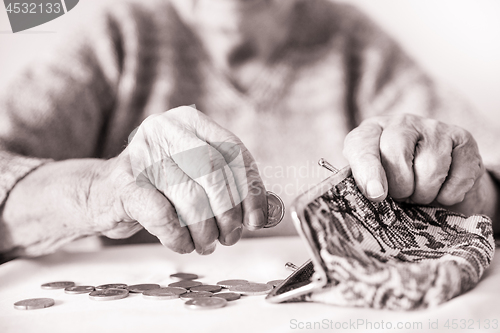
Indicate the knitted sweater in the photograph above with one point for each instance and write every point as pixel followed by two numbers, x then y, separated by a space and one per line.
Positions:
pixel 332 69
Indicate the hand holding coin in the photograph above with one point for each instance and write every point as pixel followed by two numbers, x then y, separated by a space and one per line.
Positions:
pixel 183 178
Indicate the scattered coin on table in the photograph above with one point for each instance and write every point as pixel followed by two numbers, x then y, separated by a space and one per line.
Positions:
pixel 108 294
pixel 186 284
pixel 206 287
pixel 184 276
pixel 112 286
pixel 275 210
pixel 163 293
pixel 79 289
pixel 175 290
pixel 205 303
pixel 186 289
pixel 230 283
pixel 140 288
pixel 34 303
pixel 252 289
pixel 274 283
pixel 228 296
pixel 57 285
pixel 195 294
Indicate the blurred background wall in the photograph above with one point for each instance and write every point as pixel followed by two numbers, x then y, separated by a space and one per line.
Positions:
pixel 457 41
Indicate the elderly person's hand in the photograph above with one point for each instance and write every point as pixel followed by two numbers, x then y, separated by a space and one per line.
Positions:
pixel 182 177
pixel 421 161
pixel 185 179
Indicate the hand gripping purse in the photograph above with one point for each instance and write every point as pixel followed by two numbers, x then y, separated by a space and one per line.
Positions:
pixel 386 255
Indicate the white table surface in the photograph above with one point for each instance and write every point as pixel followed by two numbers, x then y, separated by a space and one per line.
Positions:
pixel 259 260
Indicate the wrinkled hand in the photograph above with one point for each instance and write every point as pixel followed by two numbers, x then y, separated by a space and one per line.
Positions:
pixel 419 160
pixel 186 180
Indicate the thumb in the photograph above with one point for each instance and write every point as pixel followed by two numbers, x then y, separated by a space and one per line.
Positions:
pixel 362 150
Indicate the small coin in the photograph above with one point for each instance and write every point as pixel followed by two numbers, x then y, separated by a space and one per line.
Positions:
pixel 140 288
pixel 207 287
pixel 163 293
pixel 252 289
pixel 184 276
pixel 34 303
pixel 108 294
pixel 186 284
pixel 230 283
pixel 195 294
pixel 206 303
pixel 57 285
pixel 228 296
pixel 275 210
pixel 175 290
pixel 275 283
pixel 112 286
pixel 78 289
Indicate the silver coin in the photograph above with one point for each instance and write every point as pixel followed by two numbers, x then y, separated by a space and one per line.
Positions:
pixel 186 284
pixel 252 289
pixel 274 283
pixel 275 210
pixel 228 296
pixel 34 303
pixel 206 303
pixel 195 294
pixel 79 289
pixel 108 294
pixel 206 287
pixel 57 285
pixel 230 283
pixel 184 276
pixel 175 290
pixel 163 293
pixel 140 288
pixel 112 286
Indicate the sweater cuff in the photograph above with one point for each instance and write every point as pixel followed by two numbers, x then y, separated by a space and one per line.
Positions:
pixel 13 168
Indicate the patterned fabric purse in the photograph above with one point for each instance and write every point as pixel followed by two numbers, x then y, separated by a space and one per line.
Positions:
pixel 385 255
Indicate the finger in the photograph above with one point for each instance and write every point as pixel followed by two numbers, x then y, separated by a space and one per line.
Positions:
pixel 192 205
pixel 208 168
pixel 397 147
pixel 236 174
pixel 191 174
pixel 466 168
pixel 431 165
pixel 362 150
pixel 250 187
pixel 255 203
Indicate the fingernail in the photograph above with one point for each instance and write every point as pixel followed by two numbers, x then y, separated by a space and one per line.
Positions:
pixel 233 237
pixel 256 219
pixel 209 249
pixel 374 189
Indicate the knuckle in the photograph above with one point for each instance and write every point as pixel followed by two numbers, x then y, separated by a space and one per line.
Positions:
pixel 397 152
pixel 460 184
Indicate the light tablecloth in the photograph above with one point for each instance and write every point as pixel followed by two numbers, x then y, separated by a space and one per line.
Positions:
pixel 258 260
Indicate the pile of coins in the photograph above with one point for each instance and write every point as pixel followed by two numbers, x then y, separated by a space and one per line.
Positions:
pixel 196 294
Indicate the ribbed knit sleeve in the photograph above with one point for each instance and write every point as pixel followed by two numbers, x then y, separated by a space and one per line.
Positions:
pixel 58 107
